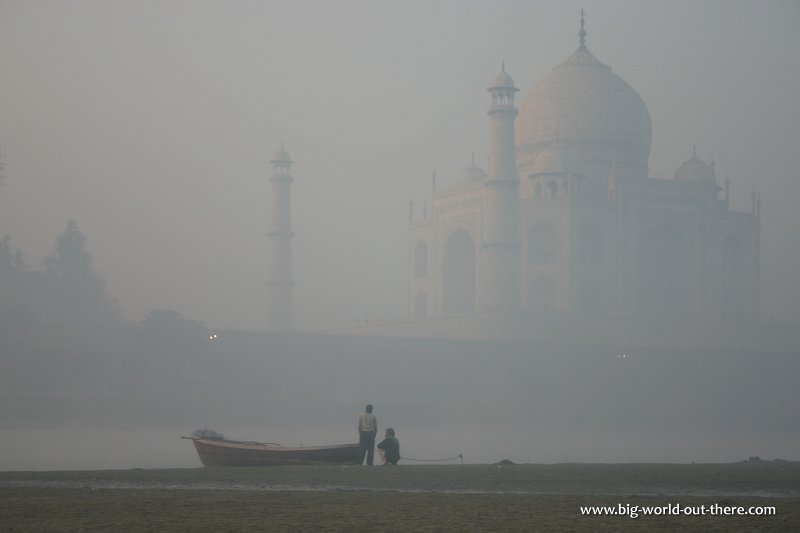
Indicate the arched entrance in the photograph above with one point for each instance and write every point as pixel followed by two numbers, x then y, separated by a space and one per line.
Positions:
pixel 662 273
pixel 458 274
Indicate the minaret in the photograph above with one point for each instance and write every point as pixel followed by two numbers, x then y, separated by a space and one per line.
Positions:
pixel 727 192
pixel 612 178
pixel 279 246
pixel 500 288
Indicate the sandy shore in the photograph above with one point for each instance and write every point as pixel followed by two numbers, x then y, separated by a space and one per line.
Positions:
pixel 403 498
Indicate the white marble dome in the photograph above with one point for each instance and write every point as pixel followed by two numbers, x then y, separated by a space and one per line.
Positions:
pixel 583 104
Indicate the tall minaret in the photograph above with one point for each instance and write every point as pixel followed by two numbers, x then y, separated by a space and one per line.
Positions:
pixel 279 246
pixel 501 279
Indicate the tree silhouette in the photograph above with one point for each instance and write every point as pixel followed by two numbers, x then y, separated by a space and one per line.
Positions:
pixel 165 323
pixel 6 257
pixel 17 287
pixel 75 282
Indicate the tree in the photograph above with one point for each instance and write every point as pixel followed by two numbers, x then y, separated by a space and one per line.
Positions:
pixel 16 287
pixel 73 263
pixel 78 284
pixel 19 261
pixel 11 262
pixel 168 323
pixel 6 257
pixel 168 335
pixel 6 280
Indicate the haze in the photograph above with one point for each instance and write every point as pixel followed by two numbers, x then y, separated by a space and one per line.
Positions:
pixel 152 125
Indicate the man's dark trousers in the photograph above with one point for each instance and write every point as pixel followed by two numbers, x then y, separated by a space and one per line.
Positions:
pixel 366 446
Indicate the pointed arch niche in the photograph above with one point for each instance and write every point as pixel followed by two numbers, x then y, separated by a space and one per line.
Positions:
pixel 542 295
pixel 662 272
pixel 590 245
pixel 420 304
pixel 541 243
pixel 421 260
pixel 590 297
pixel 732 262
pixel 458 273
pixel 731 304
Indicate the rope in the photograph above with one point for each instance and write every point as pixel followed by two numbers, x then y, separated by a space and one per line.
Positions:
pixel 459 456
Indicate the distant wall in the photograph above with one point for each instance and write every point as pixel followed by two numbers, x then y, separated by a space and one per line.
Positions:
pixel 584 331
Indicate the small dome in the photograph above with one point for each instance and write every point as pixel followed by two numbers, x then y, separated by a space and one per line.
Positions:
pixel 281 155
pixel 502 80
pixel 471 174
pixel 697 171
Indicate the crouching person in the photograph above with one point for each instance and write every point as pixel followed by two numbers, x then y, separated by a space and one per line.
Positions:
pixel 389 448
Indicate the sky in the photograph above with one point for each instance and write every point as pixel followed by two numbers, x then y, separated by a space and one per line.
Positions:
pixel 152 125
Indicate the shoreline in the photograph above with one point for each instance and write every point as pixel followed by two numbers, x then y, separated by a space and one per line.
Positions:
pixel 404 498
pixel 748 479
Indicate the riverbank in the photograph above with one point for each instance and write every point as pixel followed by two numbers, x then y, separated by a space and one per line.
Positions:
pixel 406 498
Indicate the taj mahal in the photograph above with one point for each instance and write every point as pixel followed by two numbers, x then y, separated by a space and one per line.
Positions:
pixel 565 231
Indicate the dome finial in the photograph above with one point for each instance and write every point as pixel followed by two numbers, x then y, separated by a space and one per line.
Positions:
pixel 582 33
pixel 694 151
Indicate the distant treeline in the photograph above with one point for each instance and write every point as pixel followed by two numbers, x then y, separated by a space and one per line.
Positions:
pixel 61 331
pixel 67 291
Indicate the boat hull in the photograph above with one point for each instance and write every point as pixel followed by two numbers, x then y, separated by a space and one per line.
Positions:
pixel 234 453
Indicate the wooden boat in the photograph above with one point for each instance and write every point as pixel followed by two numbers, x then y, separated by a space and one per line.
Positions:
pixel 220 452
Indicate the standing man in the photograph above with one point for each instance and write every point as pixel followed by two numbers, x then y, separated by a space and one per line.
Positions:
pixel 367 429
